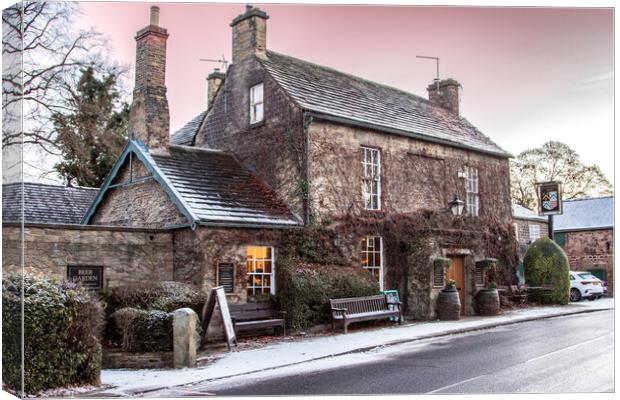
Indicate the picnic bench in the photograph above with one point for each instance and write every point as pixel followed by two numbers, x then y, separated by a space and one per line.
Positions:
pixel 357 309
pixel 517 294
pixel 260 315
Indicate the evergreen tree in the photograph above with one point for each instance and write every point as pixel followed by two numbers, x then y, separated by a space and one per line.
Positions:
pixel 93 133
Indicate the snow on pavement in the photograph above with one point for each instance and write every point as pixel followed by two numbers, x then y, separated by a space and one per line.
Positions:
pixel 286 353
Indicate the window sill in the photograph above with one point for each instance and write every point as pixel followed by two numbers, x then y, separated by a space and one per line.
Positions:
pixel 257 124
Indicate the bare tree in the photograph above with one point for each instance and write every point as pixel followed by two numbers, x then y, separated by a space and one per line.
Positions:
pixel 555 161
pixel 43 54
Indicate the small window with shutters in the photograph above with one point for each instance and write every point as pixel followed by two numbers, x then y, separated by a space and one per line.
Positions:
pixel 438 275
pixel 226 276
pixel 479 274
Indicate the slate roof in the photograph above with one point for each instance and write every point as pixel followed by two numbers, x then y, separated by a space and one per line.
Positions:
pixel 218 190
pixel 185 136
pixel 335 94
pixel 47 204
pixel 520 212
pixel 209 187
pixel 585 214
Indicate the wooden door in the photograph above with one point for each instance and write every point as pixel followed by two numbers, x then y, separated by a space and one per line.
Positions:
pixel 457 272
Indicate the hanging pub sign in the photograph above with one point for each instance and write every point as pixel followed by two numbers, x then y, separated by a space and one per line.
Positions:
pixel 550 198
pixel 89 276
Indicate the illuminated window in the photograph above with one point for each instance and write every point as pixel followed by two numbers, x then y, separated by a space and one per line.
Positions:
pixel 256 103
pixel 472 192
pixel 260 270
pixel 371 178
pixel 372 256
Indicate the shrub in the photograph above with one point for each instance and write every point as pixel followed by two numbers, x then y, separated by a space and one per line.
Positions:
pixel 305 289
pixel 164 296
pixel 545 263
pixel 62 326
pixel 144 330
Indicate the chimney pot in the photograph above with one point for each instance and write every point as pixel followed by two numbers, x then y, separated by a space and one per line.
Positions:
pixel 149 117
pixel 249 34
pixel 155 15
pixel 445 94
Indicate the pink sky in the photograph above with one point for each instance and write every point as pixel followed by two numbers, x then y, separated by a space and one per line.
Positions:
pixel 529 75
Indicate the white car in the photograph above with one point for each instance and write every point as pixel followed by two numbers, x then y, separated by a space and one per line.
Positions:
pixel 584 285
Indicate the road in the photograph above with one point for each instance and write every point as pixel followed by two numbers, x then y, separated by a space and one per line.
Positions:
pixel 557 355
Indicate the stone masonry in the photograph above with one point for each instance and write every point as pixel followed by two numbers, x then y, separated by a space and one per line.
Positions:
pixel 141 202
pixel 127 255
pixel 149 118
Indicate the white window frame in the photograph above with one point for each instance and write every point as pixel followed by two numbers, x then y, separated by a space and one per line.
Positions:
pixel 251 272
pixel 534 233
pixel 257 105
pixel 367 251
pixel 516 228
pixel 472 192
pixel 371 172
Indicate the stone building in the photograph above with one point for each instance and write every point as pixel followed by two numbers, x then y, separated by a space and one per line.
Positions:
pixel 41 232
pixel 287 144
pixel 585 230
pixel 528 226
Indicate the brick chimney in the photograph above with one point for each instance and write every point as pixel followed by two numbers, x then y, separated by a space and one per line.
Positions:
pixel 445 93
pixel 149 117
pixel 249 34
pixel 214 81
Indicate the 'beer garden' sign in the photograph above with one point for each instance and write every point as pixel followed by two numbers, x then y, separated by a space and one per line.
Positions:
pixel 550 198
pixel 89 276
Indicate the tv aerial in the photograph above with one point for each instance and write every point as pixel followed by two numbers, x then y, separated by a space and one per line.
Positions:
pixel 437 66
pixel 223 62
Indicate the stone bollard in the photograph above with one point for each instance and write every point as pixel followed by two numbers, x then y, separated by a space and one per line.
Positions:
pixel 184 338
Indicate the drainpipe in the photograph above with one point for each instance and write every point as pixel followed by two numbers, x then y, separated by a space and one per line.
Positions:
pixel 307 121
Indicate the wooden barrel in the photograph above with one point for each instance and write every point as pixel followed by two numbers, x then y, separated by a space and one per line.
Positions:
pixel 448 305
pixel 488 302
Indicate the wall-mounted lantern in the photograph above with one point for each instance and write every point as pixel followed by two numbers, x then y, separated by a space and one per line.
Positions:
pixel 456 206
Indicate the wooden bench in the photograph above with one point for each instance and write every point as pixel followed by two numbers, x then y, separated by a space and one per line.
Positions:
pixel 517 294
pixel 251 316
pixel 356 309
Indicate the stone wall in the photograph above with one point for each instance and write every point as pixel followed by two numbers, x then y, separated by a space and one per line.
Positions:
pixel 274 149
pixel 522 231
pixel 127 255
pixel 140 202
pixel 119 359
pixel 198 253
pixel 415 175
pixel 588 250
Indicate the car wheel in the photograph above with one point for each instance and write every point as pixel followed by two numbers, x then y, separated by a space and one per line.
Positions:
pixel 575 294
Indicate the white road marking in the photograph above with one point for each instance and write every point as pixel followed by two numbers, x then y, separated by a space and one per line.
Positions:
pixel 455 384
pixel 569 347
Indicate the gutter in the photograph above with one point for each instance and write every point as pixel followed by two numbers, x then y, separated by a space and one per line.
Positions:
pixel 598 228
pixel 252 225
pixel 367 125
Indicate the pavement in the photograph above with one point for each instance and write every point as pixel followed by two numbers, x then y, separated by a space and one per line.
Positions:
pixel 285 353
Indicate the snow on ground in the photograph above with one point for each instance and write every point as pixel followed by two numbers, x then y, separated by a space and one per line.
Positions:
pixel 282 354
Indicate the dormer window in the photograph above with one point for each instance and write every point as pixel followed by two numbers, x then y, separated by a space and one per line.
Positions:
pixel 256 103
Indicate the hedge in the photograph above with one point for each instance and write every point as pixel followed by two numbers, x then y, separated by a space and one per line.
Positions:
pixel 162 296
pixel 304 290
pixel 146 330
pixel 545 263
pixel 62 327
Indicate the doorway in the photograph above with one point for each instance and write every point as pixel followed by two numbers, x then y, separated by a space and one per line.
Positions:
pixel 457 273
